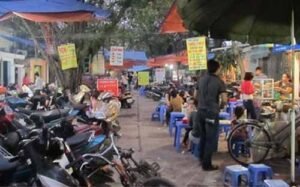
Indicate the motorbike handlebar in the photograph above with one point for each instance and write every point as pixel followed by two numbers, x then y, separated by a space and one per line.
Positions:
pixel 73 163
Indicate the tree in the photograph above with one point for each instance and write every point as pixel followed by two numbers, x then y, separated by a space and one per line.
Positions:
pixel 133 24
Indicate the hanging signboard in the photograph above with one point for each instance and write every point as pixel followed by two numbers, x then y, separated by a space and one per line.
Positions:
pixel 160 74
pixel 116 56
pixel 143 78
pixel 67 55
pixel 197 54
pixel 108 85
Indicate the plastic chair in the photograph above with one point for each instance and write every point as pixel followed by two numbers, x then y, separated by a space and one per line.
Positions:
pixel 258 173
pixel 235 174
pixel 275 183
pixel 142 91
pixel 225 126
pixel 175 116
pixel 177 137
pixel 155 116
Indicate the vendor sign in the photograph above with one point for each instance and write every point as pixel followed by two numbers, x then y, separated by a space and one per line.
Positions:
pixel 143 78
pixel 67 55
pixel 116 56
pixel 108 85
pixel 197 55
pixel 160 74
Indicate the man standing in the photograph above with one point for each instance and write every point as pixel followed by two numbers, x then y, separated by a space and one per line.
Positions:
pixel 259 74
pixel 210 87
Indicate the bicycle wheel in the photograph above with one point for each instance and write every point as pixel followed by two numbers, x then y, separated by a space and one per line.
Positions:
pixel 249 143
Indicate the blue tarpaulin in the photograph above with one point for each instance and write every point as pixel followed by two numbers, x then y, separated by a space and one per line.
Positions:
pixel 130 55
pixel 139 68
pixel 20 40
pixel 283 48
pixel 50 6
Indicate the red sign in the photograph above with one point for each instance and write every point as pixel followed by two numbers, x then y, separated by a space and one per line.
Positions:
pixel 108 85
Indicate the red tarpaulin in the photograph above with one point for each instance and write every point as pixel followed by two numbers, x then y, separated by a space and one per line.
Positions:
pixel 53 17
pixel 172 22
pixel 160 61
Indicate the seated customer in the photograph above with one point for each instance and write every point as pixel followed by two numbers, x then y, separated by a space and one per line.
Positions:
pixel 174 105
pixel 284 87
pixel 191 112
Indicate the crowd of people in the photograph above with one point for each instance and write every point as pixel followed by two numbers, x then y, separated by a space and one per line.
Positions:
pixel 202 106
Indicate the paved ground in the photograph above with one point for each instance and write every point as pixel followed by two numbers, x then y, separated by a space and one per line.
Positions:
pixel 152 142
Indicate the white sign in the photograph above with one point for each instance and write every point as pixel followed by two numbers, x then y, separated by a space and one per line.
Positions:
pixel 116 56
pixel 160 74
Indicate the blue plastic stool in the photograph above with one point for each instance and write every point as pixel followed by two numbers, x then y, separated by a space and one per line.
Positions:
pixel 258 173
pixel 155 116
pixel 195 149
pixel 177 137
pixel 224 115
pixel 175 116
pixel 142 91
pixel 225 127
pixel 275 183
pixel 235 172
pixel 238 148
pixel 162 113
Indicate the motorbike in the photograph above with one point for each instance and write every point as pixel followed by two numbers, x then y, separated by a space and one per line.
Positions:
pixel 130 171
pixel 31 166
pixel 126 99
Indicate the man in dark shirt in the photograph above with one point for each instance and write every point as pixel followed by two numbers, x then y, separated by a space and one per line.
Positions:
pixel 210 88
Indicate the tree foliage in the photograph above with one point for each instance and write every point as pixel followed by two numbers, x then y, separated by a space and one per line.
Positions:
pixel 133 24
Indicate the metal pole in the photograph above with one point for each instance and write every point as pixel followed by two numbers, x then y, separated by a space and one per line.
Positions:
pixel 293 117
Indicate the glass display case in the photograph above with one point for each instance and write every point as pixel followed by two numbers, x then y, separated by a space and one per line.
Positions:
pixel 264 89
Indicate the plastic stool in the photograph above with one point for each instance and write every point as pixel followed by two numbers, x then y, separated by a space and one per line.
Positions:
pixel 235 172
pixel 175 116
pixel 195 149
pixel 155 116
pixel 142 91
pixel 258 173
pixel 275 183
pixel 162 113
pixel 224 126
pixel 179 127
pixel 238 148
pixel 224 115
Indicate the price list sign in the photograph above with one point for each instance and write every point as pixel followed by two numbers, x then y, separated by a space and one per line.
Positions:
pixel 197 55
pixel 116 56
pixel 108 85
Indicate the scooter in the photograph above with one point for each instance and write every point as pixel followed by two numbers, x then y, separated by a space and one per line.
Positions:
pixel 31 167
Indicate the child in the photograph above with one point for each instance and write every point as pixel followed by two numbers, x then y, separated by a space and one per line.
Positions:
pixel 191 111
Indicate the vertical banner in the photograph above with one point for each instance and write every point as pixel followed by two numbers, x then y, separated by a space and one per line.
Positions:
pixel 98 66
pixel 197 55
pixel 116 56
pixel 67 55
pixel 108 85
pixel 143 78
pixel 160 74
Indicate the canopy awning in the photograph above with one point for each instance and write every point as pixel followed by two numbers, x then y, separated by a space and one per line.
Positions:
pixel 180 57
pixel 127 64
pixel 139 68
pixel 173 22
pixel 130 55
pixel 51 10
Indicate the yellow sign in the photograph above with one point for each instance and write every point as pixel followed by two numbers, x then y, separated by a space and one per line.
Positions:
pixel 197 55
pixel 143 78
pixel 67 55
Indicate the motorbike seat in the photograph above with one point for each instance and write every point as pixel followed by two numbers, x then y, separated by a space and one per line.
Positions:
pixel 78 139
pixel 78 106
pixel 24 111
pixel 6 166
pixel 51 115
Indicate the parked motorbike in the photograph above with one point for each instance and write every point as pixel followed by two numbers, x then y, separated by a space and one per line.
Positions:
pixel 126 99
pixel 31 167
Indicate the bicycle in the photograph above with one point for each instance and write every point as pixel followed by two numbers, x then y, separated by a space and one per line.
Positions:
pixel 251 140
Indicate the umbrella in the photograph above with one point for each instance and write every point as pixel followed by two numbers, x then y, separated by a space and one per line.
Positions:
pixel 253 21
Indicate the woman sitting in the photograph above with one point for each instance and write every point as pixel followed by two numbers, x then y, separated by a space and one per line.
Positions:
pixel 175 104
pixel 284 87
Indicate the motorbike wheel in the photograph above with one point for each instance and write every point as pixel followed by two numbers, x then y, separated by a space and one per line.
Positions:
pixel 158 182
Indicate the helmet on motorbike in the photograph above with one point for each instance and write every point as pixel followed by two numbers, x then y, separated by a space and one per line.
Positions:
pixel 106 95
